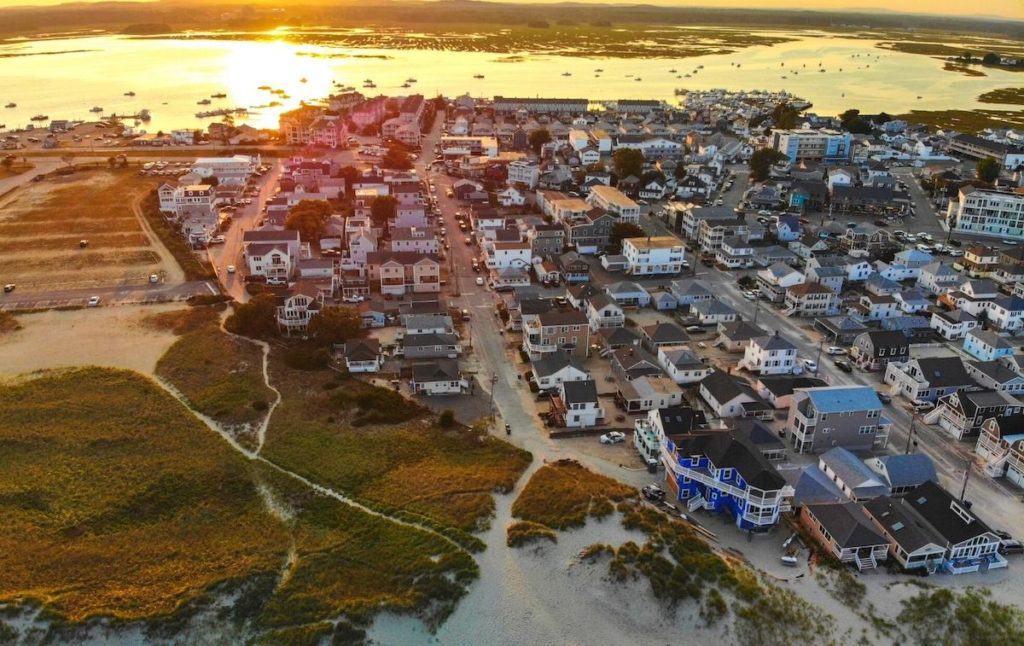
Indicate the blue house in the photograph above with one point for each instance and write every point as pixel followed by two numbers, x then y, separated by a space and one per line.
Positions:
pixel 724 472
pixel 986 345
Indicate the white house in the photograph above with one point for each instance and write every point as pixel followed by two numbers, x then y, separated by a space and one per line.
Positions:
pixel 362 355
pixel 770 355
pixel 227 170
pixel 653 255
pixel 554 369
pixel 603 312
pixel 682 365
pixel 438 377
pixel 511 197
pixel 578 405
pixel 953 325
pixel 615 202
pixel 508 255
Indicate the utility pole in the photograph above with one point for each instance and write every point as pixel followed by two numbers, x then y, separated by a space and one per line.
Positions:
pixel 757 309
pixel 910 432
pixel 817 359
pixel 494 382
pixel 967 476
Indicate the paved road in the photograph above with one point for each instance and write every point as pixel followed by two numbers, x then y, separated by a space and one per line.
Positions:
pixel 123 295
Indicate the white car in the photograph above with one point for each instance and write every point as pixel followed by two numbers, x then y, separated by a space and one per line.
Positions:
pixel 955 253
pixel 835 350
pixel 927 237
pixel 480 281
pixel 354 298
pixel 811 365
pixel 93 301
pixel 231 269
pixel 613 438
pixel 750 296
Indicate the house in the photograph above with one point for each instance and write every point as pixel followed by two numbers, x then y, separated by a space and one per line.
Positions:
pixel 874 308
pixel 690 291
pixel 576 405
pixel 901 473
pixel 840 330
pixel 618 337
pixel 1001 447
pixel 986 345
pixel 682 366
pixel 974 296
pixel 511 197
pixel 953 325
pixel 831 277
pixel 603 312
pixel 662 422
pixel 775 279
pixel 845 531
pixel 724 472
pixel 414 240
pixel 1006 314
pixel 873 350
pixel 400 272
pixel 847 416
pixel 713 312
pixel 653 255
pixel 811 299
pixel 778 390
pixel 808 245
pixel 615 202
pixel 879 285
pixel 273 254
pixel 546 240
pixel 663 300
pixel 371 315
pixel 574 268
pixel 631 362
pixel 590 232
pixel 936 278
pixel 911 301
pixel 629 294
pixel 857 482
pixel 552 370
pixel 787 228
pixel 555 330
pixel 736 336
pixel 770 355
pixel 726 394
pixel 362 355
pixel 758 434
pixel 303 302
pixel 438 377
pixel 427 324
pixel 648 392
pixel 978 261
pixel 913 261
pixel 663 334
pixel 961 414
pixel 431 346
pixel 927 379
pixel 810 486
pixel 928 528
pixel 1001 374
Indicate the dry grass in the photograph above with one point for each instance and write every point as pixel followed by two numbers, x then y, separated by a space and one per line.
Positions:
pixel 8 323
pixel 221 376
pixel 117 502
pixel 69 242
pixel 524 532
pixel 16 169
pixel 21 264
pixel 565 493
pixel 183 321
pixel 454 472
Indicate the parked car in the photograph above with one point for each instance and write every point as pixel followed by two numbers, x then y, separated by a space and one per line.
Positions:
pixel 1011 546
pixel 750 296
pixel 835 350
pixel 82 244
pixel 217 240
pixel 652 492
pixel 354 298
pixel 811 365
pixel 479 281
pixel 469 241
pixel 843 365
pixel 694 329
pixel 8 288
pixel 93 301
pixel 153 278
pixel 955 253
pixel 613 437
pixel 231 269
pixel 885 398
pixel 922 406
pixel 277 281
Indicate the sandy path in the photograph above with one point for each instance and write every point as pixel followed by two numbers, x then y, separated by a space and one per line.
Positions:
pixel 103 336
pixel 172 269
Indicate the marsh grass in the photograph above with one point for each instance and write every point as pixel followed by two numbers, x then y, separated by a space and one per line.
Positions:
pixel 389 452
pixel 221 376
pixel 8 323
pixel 524 532
pixel 565 493
pixel 185 320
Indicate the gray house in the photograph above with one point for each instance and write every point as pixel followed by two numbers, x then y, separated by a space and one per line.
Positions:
pixel 431 346
pixel 846 416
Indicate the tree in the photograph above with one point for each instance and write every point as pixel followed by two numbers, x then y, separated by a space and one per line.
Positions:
pixel 853 122
pixel 987 169
pixel 308 217
pixel 350 174
pixel 383 209
pixel 336 325
pixel 784 115
pixel 538 138
pixel 627 161
pixel 761 163
pixel 447 418
pixel 396 158
pixel 990 58
pixel 256 319
pixel 620 231
pixel 68 158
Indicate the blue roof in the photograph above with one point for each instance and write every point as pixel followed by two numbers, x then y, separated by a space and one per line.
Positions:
pixel 838 399
pixel 908 470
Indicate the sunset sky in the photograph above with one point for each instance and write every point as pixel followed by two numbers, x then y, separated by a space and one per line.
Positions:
pixel 1004 8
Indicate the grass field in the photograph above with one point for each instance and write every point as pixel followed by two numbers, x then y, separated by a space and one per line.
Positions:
pixel 1005 96
pixel 185 320
pixel 411 465
pixel 119 503
pixel 565 493
pixel 190 263
pixel 966 120
pixel 221 376
pixel 41 226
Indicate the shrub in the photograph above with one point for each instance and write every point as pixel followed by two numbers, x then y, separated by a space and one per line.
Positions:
pixel 447 418
pixel 565 493
pixel 524 532
pixel 8 323
pixel 304 357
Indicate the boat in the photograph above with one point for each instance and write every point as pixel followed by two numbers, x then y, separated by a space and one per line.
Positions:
pixel 40 117
pixel 203 102
pixel 264 87
pixel 129 94
pixel 700 67
pixel 274 104
pixel 687 75
pixel 919 96
pixel 367 80
pixel 366 85
pixel 639 79
pixel 96 108
pixel 410 80
pixel 672 71
pixel 285 96
pixel 478 76
pixel 302 80
pixel 784 76
pixel 11 105
pixel 406 85
pixel 599 70
pixel 566 73
pixel 219 95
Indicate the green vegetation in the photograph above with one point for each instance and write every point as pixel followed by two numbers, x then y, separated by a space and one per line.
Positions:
pixel 563 494
pixel 117 502
pixel 220 376
pixel 195 268
pixel 524 532
pixel 987 169
pixel 1006 96
pixel 969 121
pixel 309 217
pixel 371 443
pixel 183 321
pixel 256 319
pixel 943 616
pixel 626 162
pixel 538 138
pixel 841 583
pixel 621 231
pixel 8 323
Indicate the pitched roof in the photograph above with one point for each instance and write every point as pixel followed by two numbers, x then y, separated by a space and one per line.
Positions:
pixel 773 342
pixel 724 387
pixel 907 470
pixel 856 475
pixel 680 419
pixel 944 513
pixel 727 450
pixel 941 372
pixel 741 331
pixel 847 524
pixel 438 370
pixel 554 362
pixel 579 392
pixel 667 333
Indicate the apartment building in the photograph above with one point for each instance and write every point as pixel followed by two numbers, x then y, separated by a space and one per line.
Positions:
pixel 556 330
pixel 982 211
pixel 829 416
pixel 653 255
pixel 806 144
pixel 615 202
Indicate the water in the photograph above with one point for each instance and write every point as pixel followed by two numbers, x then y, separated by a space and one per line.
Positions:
pixel 169 76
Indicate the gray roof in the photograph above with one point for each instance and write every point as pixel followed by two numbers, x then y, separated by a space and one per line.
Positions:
pixel 683 358
pixel 741 331
pixel 724 387
pixel 774 342
pixel 439 370
pixel 847 523
pixel 811 485
pixel 625 287
pixel 995 370
pixel 907 470
pixel 944 513
pixel 554 362
pixel 430 339
pixel 990 338
pixel 665 333
pixel 901 522
pixel 856 475
pixel 579 392
pixel 942 372
pixel 712 307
